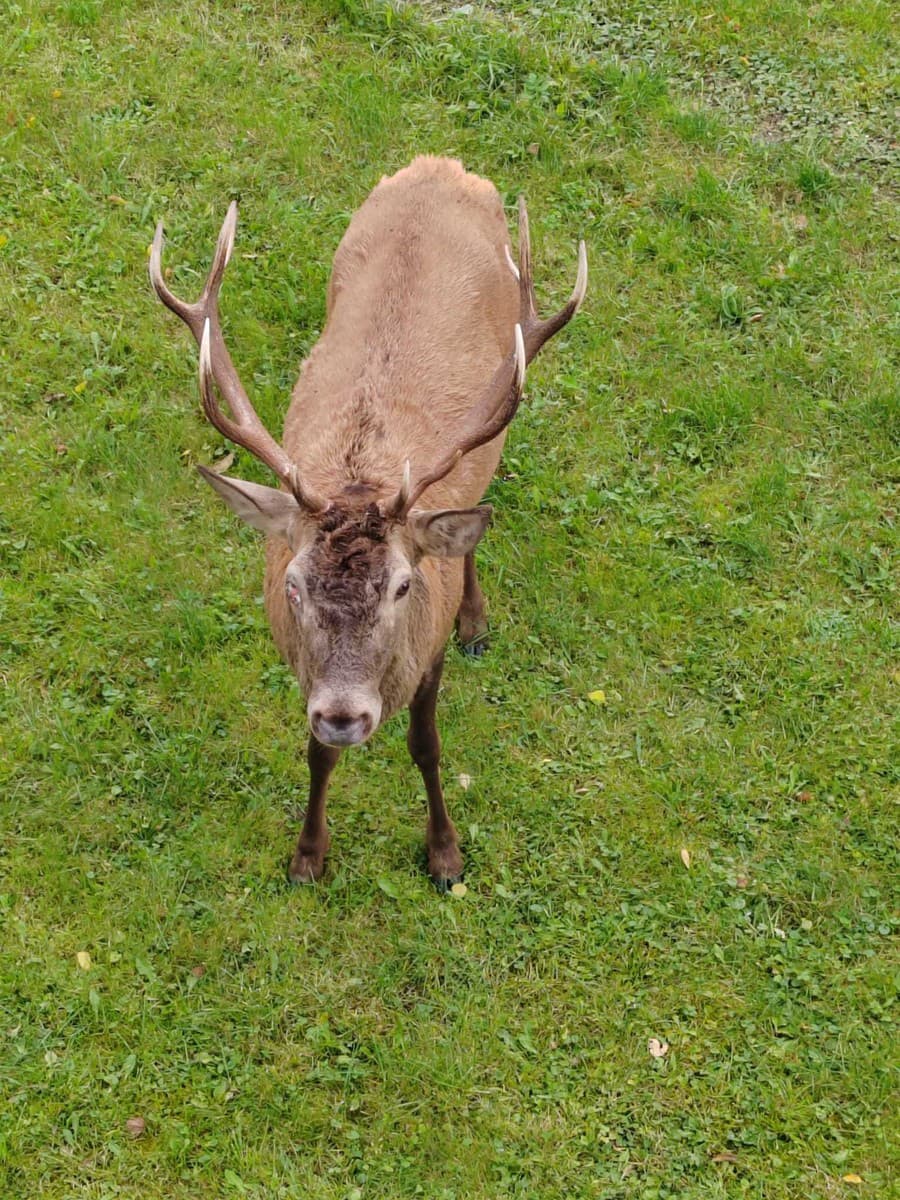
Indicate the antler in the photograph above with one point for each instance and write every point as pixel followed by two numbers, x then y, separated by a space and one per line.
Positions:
pixel 216 368
pixel 538 332
pixel 485 420
pixel 497 407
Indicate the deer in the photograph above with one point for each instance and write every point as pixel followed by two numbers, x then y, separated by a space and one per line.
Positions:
pixel 394 430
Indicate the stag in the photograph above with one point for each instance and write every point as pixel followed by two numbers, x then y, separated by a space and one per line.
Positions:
pixel 394 430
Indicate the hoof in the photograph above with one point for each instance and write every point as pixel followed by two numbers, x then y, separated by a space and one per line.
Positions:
pixel 445 866
pixel 444 885
pixel 477 646
pixel 305 868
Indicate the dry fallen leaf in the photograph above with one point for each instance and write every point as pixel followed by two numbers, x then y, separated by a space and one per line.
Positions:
pixel 852 1178
pixel 742 881
pixel 199 971
pixel 657 1048
pixel 135 1127
pixel 459 889
pixel 465 781
pixel 84 960
pixel 686 857
pixel 801 221
pixel 725 1156
pixel 222 464
pixel 598 697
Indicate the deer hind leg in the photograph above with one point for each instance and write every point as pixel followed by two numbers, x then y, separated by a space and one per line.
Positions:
pixel 471 622
pixel 308 862
pixel 445 862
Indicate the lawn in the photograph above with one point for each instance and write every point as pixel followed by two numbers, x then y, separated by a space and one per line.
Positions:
pixel 675 774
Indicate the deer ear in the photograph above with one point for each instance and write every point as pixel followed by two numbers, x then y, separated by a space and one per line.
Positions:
pixel 449 533
pixel 264 508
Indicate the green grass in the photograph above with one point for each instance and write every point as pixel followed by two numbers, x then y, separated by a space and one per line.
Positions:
pixel 696 514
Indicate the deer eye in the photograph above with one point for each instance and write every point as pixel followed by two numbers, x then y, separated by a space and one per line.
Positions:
pixel 402 590
pixel 293 593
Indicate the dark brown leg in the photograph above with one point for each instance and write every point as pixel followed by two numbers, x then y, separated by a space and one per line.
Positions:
pixel 308 862
pixel 471 623
pixel 445 862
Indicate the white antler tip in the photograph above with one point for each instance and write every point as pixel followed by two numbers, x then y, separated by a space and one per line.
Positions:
pixel 205 351
pixel 405 485
pixel 229 227
pixel 512 265
pixel 156 256
pixel 520 358
pixel 582 278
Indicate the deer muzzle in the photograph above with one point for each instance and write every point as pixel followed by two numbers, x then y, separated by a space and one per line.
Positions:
pixel 343 719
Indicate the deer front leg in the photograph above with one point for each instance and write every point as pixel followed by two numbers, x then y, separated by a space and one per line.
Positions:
pixel 471 622
pixel 308 862
pixel 445 862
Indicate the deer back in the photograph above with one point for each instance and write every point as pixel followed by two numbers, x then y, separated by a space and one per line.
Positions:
pixel 421 307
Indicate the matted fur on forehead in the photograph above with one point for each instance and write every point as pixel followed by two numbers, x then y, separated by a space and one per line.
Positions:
pixel 349 558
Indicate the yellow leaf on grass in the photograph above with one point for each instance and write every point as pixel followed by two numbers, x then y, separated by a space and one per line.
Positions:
pixel 686 857
pixel 459 889
pixel 80 387
pixel 598 697
pixel 84 960
pixel 852 1178
pixel 221 465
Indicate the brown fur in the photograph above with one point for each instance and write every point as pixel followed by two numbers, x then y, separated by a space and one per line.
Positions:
pixel 347 563
pixel 421 308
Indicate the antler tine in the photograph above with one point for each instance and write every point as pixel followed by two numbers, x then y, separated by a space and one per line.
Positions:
pixel 215 416
pixel 216 369
pixel 488 418
pixel 498 405
pixel 538 332
pixel 222 255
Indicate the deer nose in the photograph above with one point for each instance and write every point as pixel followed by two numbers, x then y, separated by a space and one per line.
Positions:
pixel 341 728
